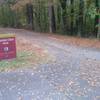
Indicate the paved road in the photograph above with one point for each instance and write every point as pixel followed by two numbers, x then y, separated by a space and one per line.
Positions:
pixel 73 75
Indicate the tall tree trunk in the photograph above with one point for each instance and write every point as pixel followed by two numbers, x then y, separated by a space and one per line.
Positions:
pixel 97 19
pixel 80 21
pixel 59 19
pixel 72 16
pixel 64 14
pixel 29 14
pixel 52 21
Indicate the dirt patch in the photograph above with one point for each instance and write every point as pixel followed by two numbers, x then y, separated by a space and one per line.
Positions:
pixel 77 41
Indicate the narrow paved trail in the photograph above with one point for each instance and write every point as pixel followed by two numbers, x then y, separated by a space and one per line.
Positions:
pixel 74 73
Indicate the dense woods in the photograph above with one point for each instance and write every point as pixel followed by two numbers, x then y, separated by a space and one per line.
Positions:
pixel 69 17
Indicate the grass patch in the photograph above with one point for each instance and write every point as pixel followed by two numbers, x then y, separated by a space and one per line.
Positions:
pixel 23 59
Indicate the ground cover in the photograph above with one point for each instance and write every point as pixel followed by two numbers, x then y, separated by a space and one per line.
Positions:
pixel 28 55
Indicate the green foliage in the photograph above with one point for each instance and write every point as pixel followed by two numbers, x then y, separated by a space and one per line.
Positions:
pixel 67 16
pixel 12 2
pixel 19 62
pixel 7 16
pixel 91 11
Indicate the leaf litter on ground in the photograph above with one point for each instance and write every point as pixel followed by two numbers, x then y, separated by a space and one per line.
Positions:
pixel 27 56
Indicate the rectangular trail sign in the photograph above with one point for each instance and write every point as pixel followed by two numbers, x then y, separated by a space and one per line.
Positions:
pixel 7 46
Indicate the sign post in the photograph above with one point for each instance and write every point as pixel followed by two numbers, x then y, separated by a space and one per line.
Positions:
pixel 7 46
